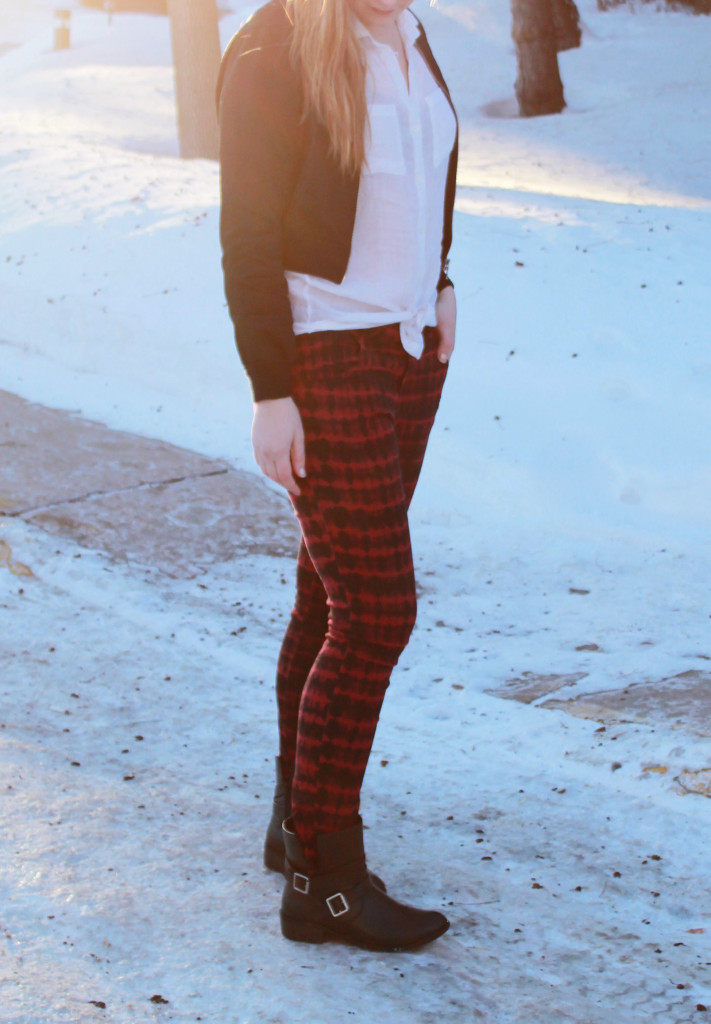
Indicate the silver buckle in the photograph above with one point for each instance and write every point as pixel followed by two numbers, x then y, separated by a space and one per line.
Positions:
pixel 343 906
pixel 301 883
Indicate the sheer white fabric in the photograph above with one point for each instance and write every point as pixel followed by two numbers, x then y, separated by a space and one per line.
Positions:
pixel 396 248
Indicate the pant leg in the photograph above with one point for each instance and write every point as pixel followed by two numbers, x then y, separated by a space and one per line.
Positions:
pixel 303 639
pixel 417 404
pixel 353 513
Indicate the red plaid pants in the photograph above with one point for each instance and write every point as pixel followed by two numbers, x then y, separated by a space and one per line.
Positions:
pixel 367 408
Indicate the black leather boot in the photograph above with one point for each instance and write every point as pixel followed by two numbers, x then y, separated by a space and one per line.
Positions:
pixel 338 901
pixel 274 854
pixel 281 809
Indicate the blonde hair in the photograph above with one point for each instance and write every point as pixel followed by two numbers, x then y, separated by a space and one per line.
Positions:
pixel 328 55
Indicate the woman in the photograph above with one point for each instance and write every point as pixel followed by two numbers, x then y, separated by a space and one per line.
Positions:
pixel 338 156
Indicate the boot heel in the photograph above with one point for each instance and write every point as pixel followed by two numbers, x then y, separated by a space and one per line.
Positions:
pixel 274 859
pixel 301 931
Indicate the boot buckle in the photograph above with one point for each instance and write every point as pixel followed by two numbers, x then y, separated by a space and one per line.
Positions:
pixel 338 904
pixel 301 883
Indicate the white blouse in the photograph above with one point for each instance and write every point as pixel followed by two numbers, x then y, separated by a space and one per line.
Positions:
pixel 396 247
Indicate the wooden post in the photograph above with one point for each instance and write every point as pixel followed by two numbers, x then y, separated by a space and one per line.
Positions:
pixel 196 59
pixel 61 29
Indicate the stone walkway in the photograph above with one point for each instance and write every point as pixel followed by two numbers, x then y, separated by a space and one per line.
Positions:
pixel 134 498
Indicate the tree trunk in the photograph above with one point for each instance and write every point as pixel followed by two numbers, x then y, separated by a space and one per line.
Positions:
pixel 539 89
pixel 566 23
pixel 196 59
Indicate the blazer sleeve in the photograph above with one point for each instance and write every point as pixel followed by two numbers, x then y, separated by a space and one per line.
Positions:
pixel 261 132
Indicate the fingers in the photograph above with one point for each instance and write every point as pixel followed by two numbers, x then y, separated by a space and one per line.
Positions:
pixel 277 466
pixel 278 440
pixel 280 472
pixel 445 347
pixel 298 452
pixel 283 474
pixel 446 310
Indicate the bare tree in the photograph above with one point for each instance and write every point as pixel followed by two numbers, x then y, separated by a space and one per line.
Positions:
pixel 196 59
pixel 539 89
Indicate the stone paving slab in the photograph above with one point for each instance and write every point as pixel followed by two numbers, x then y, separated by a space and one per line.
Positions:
pixel 135 498
pixel 530 686
pixel 684 699
pixel 48 456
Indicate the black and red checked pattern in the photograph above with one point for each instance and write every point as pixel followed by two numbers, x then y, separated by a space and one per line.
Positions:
pixel 367 408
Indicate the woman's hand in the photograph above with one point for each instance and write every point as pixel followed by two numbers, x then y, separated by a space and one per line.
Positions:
pixel 446 312
pixel 278 441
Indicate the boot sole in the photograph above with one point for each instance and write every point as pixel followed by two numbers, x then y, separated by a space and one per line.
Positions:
pixel 313 932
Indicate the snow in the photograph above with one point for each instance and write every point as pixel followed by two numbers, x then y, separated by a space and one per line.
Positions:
pixel 570 454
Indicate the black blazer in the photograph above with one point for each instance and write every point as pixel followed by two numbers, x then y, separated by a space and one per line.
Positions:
pixel 286 205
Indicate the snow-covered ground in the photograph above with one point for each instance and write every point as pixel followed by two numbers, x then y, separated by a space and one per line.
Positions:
pixel 565 503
